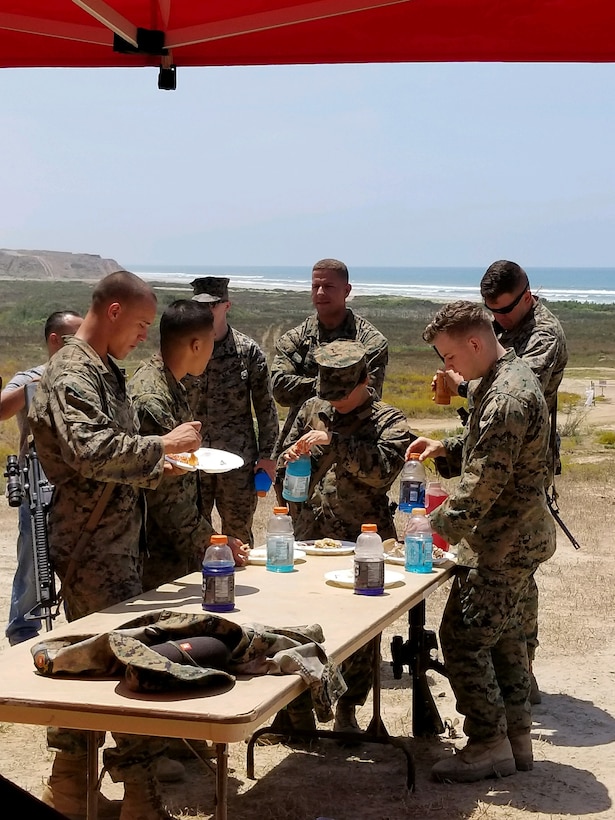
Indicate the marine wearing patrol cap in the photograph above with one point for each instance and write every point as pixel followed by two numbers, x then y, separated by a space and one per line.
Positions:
pixel 210 289
pixel 342 365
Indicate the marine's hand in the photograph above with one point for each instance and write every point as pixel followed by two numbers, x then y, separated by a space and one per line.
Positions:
pixel 268 465
pixel 239 550
pixel 186 438
pixel 426 448
pixel 304 445
pixel 453 380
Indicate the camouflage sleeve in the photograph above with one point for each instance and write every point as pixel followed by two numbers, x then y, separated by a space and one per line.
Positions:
pixel 487 470
pixel 301 425
pixel 175 512
pixel 377 360
pixel 92 443
pixel 290 386
pixel 543 353
pixel 262 400
pixel 155 414
pixel 375 463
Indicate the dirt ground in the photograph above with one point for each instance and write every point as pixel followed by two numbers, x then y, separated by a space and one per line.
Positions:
pixel 573 730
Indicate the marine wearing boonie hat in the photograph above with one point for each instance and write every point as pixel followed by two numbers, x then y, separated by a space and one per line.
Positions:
pixel 342 365
pixel 210 289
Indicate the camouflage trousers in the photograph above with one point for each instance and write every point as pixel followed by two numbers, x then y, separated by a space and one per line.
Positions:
pixel 165 564
pixel 235 498
pixel 485 652
pixel 529 616
pixel 101 582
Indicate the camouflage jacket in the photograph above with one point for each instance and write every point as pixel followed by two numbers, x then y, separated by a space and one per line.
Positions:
pixel 236 379
pixel 254 650
pixel 86 434
pixel 294 369
pixel 498 512
pixel 368 446
pixel 173 516
pixel 540 341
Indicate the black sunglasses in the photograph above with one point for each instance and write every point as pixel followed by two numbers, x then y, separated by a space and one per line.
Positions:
pixel 511 307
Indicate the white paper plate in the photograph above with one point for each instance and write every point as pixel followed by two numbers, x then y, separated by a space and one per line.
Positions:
pixel 259 556
pixel 400 560
pixel 347 548
pixel 345 578
pixel 211 461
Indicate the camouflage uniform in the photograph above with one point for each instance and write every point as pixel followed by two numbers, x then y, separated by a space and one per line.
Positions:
pixel 236 379
pixel 85 430
pixel 369 446
pixel 294 368
pixel 176 531
pixel 539 339
pixel 499 516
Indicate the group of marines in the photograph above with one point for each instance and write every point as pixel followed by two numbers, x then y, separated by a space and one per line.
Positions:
pixel 103 442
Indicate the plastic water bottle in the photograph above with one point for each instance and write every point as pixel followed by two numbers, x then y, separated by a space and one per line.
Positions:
pixel 280 541
pixel 369 562
pixel 262 483
pixel 218 576
pixel 297 479
pixel 419 543
pixel 412 484
pixel 435 494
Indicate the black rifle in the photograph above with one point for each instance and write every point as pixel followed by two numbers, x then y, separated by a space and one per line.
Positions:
pixel 33 486
pixel 416 652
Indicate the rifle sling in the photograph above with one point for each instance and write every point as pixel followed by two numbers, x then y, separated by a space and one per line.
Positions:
pixel 87 531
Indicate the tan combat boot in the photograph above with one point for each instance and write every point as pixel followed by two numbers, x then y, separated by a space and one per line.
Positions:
pixel 346 721
pixel 476 761
pixel 522 750
pixel 143 801
pixel 66 789
pixel 535 696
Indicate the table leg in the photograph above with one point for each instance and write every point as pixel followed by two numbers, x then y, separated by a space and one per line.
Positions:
pixel 221 781
pixel 92 776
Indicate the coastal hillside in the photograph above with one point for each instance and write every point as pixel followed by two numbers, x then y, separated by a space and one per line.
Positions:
pixel 53 265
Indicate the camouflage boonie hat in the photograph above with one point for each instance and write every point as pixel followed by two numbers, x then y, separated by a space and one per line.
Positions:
pixel 341 366
pixel 210 289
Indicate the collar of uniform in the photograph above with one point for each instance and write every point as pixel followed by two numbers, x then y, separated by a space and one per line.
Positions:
pixel 113 367
pixel 346 330
pixel 485 382
pixel 330 416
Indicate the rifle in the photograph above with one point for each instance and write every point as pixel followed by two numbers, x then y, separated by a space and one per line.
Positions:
pixel 416 652
pixel 35 488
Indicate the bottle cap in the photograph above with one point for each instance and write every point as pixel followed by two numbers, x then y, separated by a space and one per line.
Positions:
pixel 414 457
pixel 419 511
pixel 369 528
pixel 218 539
pixel 280 510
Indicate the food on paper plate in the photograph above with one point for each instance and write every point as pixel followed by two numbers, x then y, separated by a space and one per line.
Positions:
pixel 439 554
pixel 327 544
pixel 185 458
pixel 393 548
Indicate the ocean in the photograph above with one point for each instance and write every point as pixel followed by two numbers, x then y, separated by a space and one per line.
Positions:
pixel 436 284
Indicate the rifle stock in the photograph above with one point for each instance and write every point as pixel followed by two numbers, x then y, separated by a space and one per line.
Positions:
pixel 39 492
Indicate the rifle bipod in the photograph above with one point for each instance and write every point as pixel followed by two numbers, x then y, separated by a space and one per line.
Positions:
pixel 416 654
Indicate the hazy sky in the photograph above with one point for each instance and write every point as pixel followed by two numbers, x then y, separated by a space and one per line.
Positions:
pixel 412 164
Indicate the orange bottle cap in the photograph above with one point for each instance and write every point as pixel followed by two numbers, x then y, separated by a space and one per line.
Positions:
pixel 414 457
pixel 369 528
pixel 280 510
pixel 218 539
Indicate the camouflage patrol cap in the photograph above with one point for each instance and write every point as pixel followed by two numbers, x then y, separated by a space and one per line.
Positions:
pixel 341 366
pixel 210 289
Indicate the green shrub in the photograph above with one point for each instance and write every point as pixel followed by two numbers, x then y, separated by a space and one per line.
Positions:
pixel 606 438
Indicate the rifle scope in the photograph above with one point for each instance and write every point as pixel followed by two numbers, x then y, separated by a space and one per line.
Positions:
pixel 14 490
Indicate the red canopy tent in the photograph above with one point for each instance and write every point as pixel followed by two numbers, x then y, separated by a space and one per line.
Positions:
pixel 169 33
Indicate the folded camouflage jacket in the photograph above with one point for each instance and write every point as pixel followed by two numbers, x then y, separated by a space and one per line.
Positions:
pixel 254 650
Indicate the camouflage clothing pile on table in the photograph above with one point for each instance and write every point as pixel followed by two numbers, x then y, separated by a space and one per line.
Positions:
pixel 499 515
pixel 177 533
pixel 253 649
